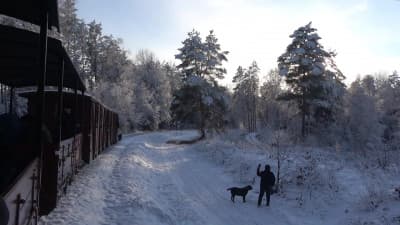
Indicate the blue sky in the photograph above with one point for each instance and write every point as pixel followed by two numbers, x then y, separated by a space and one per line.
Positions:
pixel 364 33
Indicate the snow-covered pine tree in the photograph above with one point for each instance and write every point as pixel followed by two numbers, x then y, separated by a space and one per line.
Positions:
pixel 253 88
pixel 173 75
pixel 151 73
pixel 368 82
pixel 68 22
pixel 112 60
pixel 213 68
pixel 395 79
pixel 365 129
pixel 246 94
pixel 94 44
pixel 192 56
pixel 200 100
pixel 269 107
pixel 74 32
pixel 313 79
pixel 239 99
pixel 388 91
pixel 140 89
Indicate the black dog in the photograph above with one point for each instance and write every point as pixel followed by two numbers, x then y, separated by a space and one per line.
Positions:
pixel 239 191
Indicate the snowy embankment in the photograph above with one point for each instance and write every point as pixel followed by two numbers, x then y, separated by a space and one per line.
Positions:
pixel 320 186
pixel 143 180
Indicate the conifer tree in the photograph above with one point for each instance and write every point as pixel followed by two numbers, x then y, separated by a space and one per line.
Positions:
pixel 200 100
pixel 246 93
pixel 312 77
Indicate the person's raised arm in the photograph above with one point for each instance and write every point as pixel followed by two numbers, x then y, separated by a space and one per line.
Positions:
pixel 258 170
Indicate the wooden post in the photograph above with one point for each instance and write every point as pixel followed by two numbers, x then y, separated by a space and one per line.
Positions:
pixel 11 100
pixel 62 163
pixel 1 94
pixel 60 101
pixel 41 81
pixel 84 129
pixel 73 159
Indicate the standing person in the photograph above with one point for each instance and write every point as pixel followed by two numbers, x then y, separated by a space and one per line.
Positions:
pixel 266 183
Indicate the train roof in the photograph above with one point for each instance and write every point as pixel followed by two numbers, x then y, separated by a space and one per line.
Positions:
pixel 30 11
pixel 19 57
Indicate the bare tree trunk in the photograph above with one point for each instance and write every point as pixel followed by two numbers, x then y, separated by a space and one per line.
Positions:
pixel 278 173
pixel 248 121
pixel 255 113
pixel 202 122
pixel 303 118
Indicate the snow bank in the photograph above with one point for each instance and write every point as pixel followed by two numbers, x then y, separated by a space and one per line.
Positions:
pixel 143 180
pixel 331 185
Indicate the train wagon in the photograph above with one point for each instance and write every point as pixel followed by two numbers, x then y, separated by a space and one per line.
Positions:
pixel 84 111
pixel 23 140
pixel 78 127
pixel 63 129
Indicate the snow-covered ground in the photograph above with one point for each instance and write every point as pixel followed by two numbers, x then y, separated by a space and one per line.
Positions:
pixel 142 180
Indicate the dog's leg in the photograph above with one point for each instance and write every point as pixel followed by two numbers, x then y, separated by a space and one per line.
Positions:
pixel 244 198
pixel 233 198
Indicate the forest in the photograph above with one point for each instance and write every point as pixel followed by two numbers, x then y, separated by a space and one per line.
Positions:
pixel 333 143
pixel 304 97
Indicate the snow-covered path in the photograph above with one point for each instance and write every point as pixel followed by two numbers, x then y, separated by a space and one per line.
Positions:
pixel 142 180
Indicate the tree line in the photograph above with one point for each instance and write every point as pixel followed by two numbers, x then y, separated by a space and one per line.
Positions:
pixel 139 89
pixel 305 96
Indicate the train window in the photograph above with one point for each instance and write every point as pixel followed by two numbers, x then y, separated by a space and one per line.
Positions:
pixel 11 102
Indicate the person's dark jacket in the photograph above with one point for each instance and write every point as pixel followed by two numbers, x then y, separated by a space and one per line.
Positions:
pixel 267 178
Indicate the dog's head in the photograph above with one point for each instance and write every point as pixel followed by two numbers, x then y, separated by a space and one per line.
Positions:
pixel 249 187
